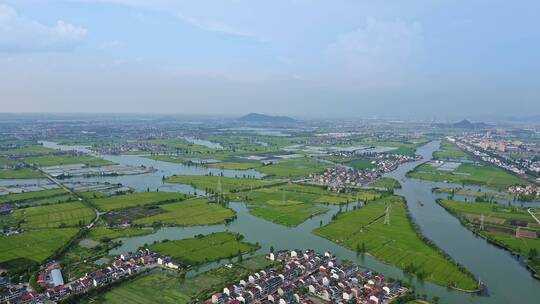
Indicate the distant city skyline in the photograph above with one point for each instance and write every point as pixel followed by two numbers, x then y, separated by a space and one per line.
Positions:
pixel 303 58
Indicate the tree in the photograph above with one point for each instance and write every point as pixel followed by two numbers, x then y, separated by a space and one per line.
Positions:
pixel 271 248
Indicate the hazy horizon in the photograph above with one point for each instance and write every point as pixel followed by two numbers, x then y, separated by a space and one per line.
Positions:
pixel 302 58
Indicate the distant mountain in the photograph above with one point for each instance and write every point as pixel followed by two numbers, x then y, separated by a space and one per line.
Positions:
pixel 465 124
pixel 262 118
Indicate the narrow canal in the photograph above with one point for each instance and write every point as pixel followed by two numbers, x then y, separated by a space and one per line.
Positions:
pixel 507 281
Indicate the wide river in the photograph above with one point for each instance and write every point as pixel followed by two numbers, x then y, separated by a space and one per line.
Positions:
pixel 507 281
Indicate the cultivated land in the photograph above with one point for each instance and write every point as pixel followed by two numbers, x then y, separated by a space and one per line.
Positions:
pixel 294 168
pixel 30 196
pixel 204 249
pixel 210 183
pixel 55 160
pixel 189 213
pixel 403 148
pixel 387 182
pixel 35 245
pixel 137 199
pixel 397 243
pixel 469 174
pixel 173 290
pixel 23 173
pixel 485 196
pixel 103 233
pixel 292 204
pixel 231 165
pixel 501 226
pixel 73 214
pixel 27 150
pixel 361 164
pixel 450 151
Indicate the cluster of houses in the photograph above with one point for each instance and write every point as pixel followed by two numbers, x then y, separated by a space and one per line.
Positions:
pixel 525 190
pixel 132 146
pixel 308 277
pixel 343 178
pixel 50 278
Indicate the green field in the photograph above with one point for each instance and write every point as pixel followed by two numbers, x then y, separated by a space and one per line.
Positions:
pixel 396 243
pixel 28 150
pixel 500 225
pixel 231 165
pixel 361 164
pixel 290 215
pixel 204 249
pixel 55 160
pixel 52 216
pixel 35 245
pixel 136 199
pixel 387 183
pixel 292 204
pixel 59 199
pixel 189 213
pixel 469 174
pixel 30 196
pixel 210 183
pixel 483 195
pixel 173 290
pixel 450 151
pixel 23 173
pixel 100 233
pixel 295 167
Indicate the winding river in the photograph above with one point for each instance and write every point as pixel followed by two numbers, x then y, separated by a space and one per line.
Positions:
pixel 506 279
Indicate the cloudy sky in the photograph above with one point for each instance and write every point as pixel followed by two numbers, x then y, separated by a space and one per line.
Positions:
pixel 357 58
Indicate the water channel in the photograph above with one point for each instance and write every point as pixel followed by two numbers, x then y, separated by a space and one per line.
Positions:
pixel 506 279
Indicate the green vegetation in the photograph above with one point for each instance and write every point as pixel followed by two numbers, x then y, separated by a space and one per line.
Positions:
pixel 174 290
pixel 73 214
pixel 469 174
pixel 230 165
pixel 55 160
pixel 137 199
pixel 294 167
pixel 103 233
pixel 203 249
pixel 450 151
pixel 512 228
pixel 292 204
pixel 210 183
pixel 28 150
pixel 398 243
pixel 405 147
pixel 387 182
pixel 169 158
pixel 22 173
pixel 361 164
pixel 189 213
pixel 484 196
pixel 35 245
pixel 29 196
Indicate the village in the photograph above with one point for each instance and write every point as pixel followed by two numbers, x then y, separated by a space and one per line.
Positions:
pixel 309 277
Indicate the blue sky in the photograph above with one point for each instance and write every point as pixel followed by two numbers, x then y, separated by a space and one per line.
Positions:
pixel 430 59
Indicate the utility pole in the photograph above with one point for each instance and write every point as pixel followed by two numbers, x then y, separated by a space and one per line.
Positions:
pixel 387 216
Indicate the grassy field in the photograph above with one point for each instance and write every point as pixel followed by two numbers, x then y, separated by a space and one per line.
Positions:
pixel 292 214
pixel 295 167
pixel 292 204
pixel 65 198
pixel 55 160
pixel 450 151
pixel 210 183
pixel 100 233
pixel 204 249
pixel 500 225
pixel 232 165
pixel 173 290
pixel 361 164
pixel 387 182
pixel 396 243
pixel 474 193
pixel 28 196
pixel 35 245
pixel 189 213
pixel 136 199
pixel 27 150
pixel 52 216
pixel 469 174
pixel 23 173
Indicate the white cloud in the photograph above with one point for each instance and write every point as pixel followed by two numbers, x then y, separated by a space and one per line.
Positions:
pixel 379 52
pixel 21 34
